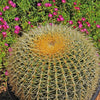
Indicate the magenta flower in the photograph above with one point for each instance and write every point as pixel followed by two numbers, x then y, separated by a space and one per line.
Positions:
pixel 0 26
pixel 63 1
pixel 50 15
pixel 6 73
pixel 55 9
pixel 1 19
pixel 61 18
pixel 85 29
pixel 77 8
pixel 4 22
pixel 38 4
pixel 80 26
pixel 75 3
pixel 83 19
pixel 10 49
pixel 0 13
pixel 4 34
pixel 6 44
pixel 5 26
pixel 50 24
pixel 87 32
pixel 16 19
pixel 31 25
pixel 74 27
pixel 6 7
pixel 55 13
pixel 71 22
pixel 13 5
pixel 17 27
pixel 79 22
pixel 10 2
pixel 97 54
pixel 98 26
pixel 29 22
pixel 53 0
pixel 82 30
pixel 94 21
pixel 58 19
pixel 88 25
pixel 16 31
pixel 46 4
pixel 49 4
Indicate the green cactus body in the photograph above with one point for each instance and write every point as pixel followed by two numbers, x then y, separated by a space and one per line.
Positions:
pixel 53 63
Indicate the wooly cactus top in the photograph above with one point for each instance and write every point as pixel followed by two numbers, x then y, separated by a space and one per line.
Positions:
pixel 53 63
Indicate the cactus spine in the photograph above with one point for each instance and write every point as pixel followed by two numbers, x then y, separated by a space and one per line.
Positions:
pixel 53 63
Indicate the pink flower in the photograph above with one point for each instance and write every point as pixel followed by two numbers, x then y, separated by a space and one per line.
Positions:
pixel 63 1
pixel 88 25
pixel 70 22
pixel 10 2
pixel 13 5
pixel 6 7
pixel 1 19
pixel 87 32
pixel 5 27
pixel 6 73
pixel 50 24
pixel 53 0
pixel 4 34
pixel 55 13
pixel 31 25
pixel 97 54
pixel 85 29
pixel 79 22
pixel 75 3
pixel 10 49
pixel 17 27
pixel 4 22
pixel 16 31
pixel 82 30
pixel 94 21
pixel 46 5
pixel 38 4
pixel 50 15
pixel 55 9
pixel 29 22
pixel 99 40
pixel 6 44
pixel 58 19
pixel 0 13
pixel 77 8
pixel 16 19
pixel 61 18
pixel 74 27
pixel 80 26
pixel 98 26
pixel 49 4
pixel 83 19
pixel 0 26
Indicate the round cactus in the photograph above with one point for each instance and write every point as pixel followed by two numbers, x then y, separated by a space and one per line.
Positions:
pixel 53 63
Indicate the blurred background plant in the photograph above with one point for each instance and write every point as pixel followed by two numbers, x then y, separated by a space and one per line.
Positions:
pixel 17 16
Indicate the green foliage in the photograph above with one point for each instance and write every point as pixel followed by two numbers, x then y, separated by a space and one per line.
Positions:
pixel 53 62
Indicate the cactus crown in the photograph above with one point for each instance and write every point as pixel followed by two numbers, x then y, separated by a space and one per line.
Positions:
pixel 53 63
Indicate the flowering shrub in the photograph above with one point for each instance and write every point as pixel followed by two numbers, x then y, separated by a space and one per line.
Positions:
pixel 21 15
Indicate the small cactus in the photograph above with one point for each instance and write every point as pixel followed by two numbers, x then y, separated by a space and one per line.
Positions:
pixel 53 63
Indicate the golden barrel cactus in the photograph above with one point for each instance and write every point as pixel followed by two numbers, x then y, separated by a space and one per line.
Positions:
pixel 53 63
